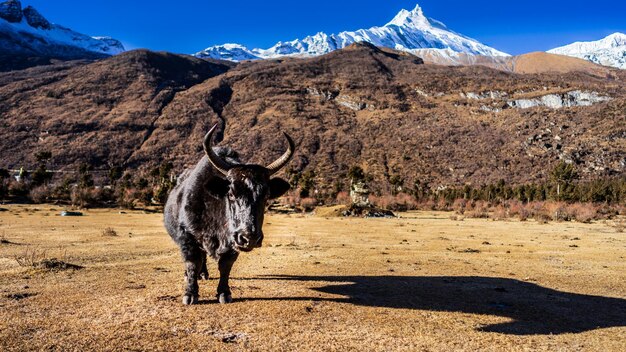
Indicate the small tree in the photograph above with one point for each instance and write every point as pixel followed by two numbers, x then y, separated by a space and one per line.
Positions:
pixel 356 174
pixel 396 182
pixel 41 174
pixel 307 183
pixel 115 173
pixel 5 175
pixel 85 179
pixel 166 182
pixel 562 174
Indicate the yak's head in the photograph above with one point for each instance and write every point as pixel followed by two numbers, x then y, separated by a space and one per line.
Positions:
pixel 246 189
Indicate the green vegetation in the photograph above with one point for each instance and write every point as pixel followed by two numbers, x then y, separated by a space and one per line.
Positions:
pixel 86 187
pixel 606 190
pixel 41 175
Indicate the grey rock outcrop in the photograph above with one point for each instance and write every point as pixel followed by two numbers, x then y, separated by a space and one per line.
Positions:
pixel 11 11
pixel 556 101
pixel 35 19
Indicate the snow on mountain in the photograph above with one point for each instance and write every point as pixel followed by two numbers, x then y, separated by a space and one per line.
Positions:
pixel 610 51
pixel 407 31
pixel 232 52
pixel 27 32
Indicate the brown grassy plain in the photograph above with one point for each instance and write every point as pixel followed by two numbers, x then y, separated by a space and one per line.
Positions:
pixel 419 282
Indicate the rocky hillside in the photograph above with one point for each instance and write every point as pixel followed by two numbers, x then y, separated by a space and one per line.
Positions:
pixel 99 112
pixel 381 109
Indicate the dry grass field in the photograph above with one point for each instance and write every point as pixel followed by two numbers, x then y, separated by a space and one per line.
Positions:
pixel 419 282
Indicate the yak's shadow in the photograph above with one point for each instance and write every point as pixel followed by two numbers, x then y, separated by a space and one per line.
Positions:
pixel 532 308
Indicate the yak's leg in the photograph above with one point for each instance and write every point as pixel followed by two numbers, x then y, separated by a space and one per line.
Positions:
pixel 192 255
pixel 225 263
pixel 204 271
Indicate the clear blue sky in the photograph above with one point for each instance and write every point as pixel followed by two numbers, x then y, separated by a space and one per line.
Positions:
pixel 189 26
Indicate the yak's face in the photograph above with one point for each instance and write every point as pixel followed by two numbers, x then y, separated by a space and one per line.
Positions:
pixel 245 191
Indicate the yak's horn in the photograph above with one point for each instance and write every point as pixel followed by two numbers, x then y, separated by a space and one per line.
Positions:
pixel 284 159
pixel 218 163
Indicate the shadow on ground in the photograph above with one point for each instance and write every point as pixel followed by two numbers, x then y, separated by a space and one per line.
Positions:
pixel 532 308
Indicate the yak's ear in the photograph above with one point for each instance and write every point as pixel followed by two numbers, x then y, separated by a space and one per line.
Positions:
pixel 217 187
pixel 278 187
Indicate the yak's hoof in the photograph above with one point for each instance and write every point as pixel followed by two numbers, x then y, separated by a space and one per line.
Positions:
pixel 190 299
pixel 224 298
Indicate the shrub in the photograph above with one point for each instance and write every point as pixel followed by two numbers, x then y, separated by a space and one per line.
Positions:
pixel 399 202
pixel 109 232
pixel 308 204
pixel 41 194
pixel 82 197
pixel 479 209
pixel 460 205
pixel 63 189
pixel 292 199
pixel 477 213
pixel 500 213
pixel 343 198
pixel 583 212
pixel 556 211
pixel 18 189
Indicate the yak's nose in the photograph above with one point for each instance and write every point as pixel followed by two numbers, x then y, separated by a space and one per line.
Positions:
pixel 242 239
pixel 248 239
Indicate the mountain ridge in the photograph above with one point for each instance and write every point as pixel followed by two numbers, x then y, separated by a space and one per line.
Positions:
pixel 608 51
pixel 29 36
pixel 407 31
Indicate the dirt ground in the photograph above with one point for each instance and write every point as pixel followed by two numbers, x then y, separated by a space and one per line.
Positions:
pixel 420 282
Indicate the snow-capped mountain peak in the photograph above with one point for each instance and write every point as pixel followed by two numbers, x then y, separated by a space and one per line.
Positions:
pixel 407 31
pixel 608 51
pixel 616 39
pixel 414 18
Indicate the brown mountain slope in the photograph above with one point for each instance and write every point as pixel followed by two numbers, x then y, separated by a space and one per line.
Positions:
pixel 539 62
pixel 536 62
pixel 363 106
pixel 96 113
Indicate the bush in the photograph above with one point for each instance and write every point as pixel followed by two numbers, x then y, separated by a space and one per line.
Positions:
pixel 41 176
pixel 82 197
pixel 19 189
pixel 399 202
pixel 459 205
pixel 556 211
pixel 500 213
pixel 477 214
pixel 41 194
pixel 584 212
pixel 308 204
pixel 109 232
pixel 343 198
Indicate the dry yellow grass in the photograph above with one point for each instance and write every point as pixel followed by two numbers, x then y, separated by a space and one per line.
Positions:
pixel 421 282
